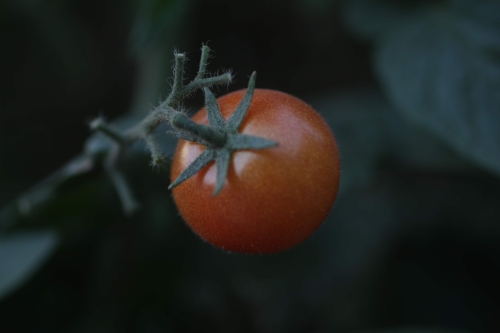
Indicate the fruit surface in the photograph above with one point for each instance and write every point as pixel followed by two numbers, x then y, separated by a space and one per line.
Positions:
pixel 274 198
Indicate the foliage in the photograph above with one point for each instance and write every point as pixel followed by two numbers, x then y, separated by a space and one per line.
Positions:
pixel 439 64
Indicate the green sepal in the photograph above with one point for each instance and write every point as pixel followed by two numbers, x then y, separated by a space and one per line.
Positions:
pixel 218 150
pixel 199 163
pixel 215 118
pixel 222 163
pixel 243 141
pixel 234 122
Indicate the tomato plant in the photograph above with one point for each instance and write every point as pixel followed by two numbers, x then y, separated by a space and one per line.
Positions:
pixel 271 199
pixel 276 171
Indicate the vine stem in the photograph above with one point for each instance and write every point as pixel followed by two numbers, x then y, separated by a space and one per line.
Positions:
pixel 166 111
pixel 100 125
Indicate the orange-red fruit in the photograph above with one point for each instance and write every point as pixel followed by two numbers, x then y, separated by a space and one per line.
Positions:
pixel 273 199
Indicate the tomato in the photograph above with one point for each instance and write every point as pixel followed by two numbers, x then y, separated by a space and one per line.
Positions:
pixel 273 199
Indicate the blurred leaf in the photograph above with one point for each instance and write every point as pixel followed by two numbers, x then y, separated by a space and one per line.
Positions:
pixel 44 190
pixel 21 254
pixel 479 21
pixel 417 147
pixel 415 330
pixel 438 69
pixel 369 130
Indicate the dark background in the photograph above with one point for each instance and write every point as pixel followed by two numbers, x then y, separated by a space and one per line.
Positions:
pixel 411 90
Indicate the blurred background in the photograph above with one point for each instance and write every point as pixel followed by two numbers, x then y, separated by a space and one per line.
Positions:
pixel 411 90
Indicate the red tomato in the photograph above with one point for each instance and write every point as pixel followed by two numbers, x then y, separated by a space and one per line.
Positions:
pixel 274 198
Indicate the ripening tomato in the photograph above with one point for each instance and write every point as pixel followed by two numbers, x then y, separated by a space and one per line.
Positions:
pixel 273 198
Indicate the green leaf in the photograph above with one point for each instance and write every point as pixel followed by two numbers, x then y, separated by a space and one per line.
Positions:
pixel 43 191
pixel 199 163
pixel 439 69
pixel 21 254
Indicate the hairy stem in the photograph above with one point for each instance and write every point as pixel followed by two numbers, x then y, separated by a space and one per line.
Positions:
pixel 100 125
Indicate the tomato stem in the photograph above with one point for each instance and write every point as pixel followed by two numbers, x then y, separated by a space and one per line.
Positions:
pixel 99 124
pixel 167 110
pixel 157 158
pixel 205 53
pixel 180 58
pixel 206 133
pixel 130 205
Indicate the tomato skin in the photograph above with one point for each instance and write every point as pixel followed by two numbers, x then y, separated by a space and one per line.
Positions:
pixel 274 198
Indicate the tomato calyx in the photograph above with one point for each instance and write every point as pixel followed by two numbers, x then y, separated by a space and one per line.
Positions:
pixel 221 137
